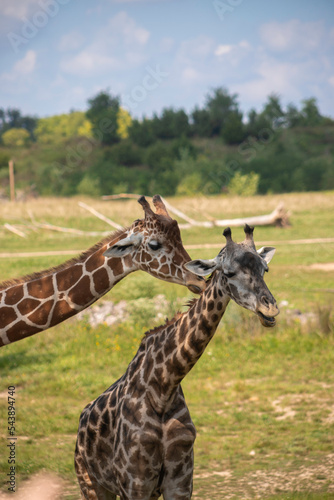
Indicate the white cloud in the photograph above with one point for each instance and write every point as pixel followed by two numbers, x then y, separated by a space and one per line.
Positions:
pixel 195 50
pixel 202 62
pixel 119 45
pixel 190 75
pixel 331 80
pixel 292 35
pixel 286 79
pixel 222 50
pixel 244 44
pixel 70 41
pixel 26 65
pixel 167 44
pixel 17 9
pixel 89 62
pixel 123 25
pixel 22 68
pixel 239 50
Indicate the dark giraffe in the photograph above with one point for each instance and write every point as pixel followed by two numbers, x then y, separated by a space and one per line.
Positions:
pixel 136 439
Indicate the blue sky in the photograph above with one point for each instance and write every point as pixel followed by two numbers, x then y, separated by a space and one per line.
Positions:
pixel 56 54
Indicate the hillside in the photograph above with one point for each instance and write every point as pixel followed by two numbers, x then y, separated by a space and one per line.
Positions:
pixel 297 159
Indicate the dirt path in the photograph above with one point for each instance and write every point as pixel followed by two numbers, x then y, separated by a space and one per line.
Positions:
pixel 39 487
pixel 214 484
pixel 264 483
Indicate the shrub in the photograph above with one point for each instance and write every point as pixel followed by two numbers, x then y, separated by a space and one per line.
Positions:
pixel 4 159
pixel 89 186
pixel 125 153
pixel 192 184
pixel 244 185
pixel 16 137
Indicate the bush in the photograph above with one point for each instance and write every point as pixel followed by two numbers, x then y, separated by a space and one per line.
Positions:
pixel 125 153
pixel 191 184
pixel 142 132
pixel 159 157
pixel 244 185
pixel 16 137
pixel 4 159
pixel 89 186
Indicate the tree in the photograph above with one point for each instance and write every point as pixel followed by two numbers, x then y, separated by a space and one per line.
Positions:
pixel 200 119
pixel 220 105
pixel 124 153
pixel 142 132
pixel 12 118
pixel 311 116
pixel 171 124
pixel 124 121
pixel 272 112
pixel 4 159
pixel 102 113
pixel 234 129
pixel 65 126
pixel 16 137
pixel 293 116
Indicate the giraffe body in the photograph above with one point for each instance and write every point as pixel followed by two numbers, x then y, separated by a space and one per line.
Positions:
pixel 37 302
pixel 136 439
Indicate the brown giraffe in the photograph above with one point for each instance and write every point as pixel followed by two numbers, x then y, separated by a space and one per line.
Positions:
pixel 34 303
pixel 136 439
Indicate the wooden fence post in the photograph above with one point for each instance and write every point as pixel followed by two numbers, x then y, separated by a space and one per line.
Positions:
pixel 11 180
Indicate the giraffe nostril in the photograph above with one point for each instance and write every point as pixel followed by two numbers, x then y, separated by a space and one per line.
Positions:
pixel 265 301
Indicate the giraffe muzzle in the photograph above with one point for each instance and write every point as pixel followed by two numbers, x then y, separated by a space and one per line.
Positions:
pixel 198 286
pixel 194 288
pixel 268 320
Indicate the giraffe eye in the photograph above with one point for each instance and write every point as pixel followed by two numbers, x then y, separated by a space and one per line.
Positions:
pixel 229 275
pixel 154 245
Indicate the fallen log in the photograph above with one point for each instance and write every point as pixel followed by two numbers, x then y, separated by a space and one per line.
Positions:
pixel 278 217
pixel 14 230
pixel 99 215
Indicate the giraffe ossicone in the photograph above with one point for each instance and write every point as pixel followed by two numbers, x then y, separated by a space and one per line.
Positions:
pixel 136 439
pixel 39 301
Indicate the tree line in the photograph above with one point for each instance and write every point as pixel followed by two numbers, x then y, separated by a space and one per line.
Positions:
pixel 214 148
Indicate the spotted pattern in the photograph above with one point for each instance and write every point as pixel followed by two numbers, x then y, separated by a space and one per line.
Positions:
pixel 37 302
pixel 136 439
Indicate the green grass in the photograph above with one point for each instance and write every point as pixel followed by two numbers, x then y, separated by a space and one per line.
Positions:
pixel 262 400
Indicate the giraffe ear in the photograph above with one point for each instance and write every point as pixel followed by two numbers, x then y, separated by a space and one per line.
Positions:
pixel 125 246
pixel 267 253
pixel 201 267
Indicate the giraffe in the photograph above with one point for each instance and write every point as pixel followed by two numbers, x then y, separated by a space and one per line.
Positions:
pixel 39 301
pixel 136 439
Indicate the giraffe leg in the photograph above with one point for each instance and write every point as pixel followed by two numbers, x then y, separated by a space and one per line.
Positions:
pixel 89 488
pixel 178 483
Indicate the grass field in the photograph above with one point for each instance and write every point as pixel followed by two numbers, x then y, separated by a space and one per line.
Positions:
pixel 262 401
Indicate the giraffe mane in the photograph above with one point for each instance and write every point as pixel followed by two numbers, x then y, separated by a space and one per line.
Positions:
pixel 69 263
pixel 178 315
pixel 168 322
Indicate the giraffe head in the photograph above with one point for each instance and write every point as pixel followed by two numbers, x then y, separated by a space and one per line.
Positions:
pixel 242 269
pixel 154 245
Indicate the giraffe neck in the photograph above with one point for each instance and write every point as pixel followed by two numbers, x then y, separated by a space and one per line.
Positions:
pixel 179 345
pixel 37 302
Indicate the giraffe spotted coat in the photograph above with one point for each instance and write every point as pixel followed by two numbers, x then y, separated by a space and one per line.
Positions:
pixel 136 439
pixel 37 302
